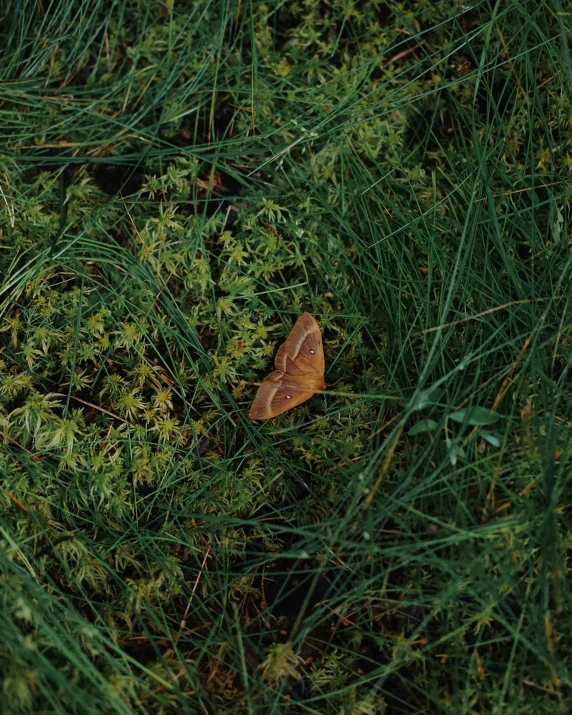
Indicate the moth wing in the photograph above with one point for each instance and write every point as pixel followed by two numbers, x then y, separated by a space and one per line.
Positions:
pixel 302 352
pixel 280 392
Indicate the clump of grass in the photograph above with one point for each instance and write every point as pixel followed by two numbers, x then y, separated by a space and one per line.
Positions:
pixel 179 182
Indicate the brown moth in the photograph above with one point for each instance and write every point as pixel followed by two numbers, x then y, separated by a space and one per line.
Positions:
pixel 299 372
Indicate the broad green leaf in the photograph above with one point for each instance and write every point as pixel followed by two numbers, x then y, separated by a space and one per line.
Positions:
pixel 476 416
pixel 455 452
pixel 426 398
pixel 423 426
pixel 490 437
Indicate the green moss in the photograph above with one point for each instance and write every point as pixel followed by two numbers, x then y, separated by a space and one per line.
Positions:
pixel 178 183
